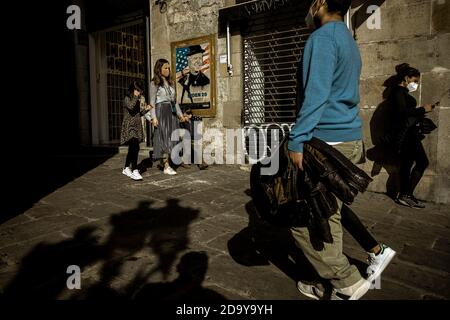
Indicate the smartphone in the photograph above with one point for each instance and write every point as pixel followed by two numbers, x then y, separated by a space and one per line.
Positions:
pixel 436 104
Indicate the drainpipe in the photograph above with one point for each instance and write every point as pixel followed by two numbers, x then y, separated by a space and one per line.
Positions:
pixel 229 65
pixel 147 54
pixel 347 20
pixel 147 58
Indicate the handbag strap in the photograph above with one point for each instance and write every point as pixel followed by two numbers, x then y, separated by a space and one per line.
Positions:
pixel 169 93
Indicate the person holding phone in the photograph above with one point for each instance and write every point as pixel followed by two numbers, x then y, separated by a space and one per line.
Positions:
pixel 132 133
pixel 413 158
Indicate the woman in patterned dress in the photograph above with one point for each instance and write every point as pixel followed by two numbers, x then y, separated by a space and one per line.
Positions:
pixel 132 134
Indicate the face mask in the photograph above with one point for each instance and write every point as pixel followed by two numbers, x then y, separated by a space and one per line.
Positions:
pixel 311 21
pixel 412 86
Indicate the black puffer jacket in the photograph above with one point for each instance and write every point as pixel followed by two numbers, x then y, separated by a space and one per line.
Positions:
pixel 307 198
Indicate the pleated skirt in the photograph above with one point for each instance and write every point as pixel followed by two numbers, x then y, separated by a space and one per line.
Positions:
pixel 168 123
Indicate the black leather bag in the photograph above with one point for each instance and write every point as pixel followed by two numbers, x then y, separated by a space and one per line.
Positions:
pixel 395 139
pixel 173 107
pixel 276 197
pixel 426 126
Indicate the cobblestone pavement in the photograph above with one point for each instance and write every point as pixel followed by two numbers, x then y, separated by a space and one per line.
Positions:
pixel 136 239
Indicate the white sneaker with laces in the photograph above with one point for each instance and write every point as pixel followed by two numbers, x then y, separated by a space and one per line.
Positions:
pixel 311 290
pixel 127 171
pixel 317 292
pixel 169 171
pixel 136 175
pixel 377 263
pixel 354 292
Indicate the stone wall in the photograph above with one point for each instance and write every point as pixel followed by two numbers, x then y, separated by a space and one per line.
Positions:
pixel 416 32
pixel 186 19
pixel 413 31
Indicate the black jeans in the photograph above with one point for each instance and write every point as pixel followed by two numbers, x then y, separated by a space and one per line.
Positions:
pixel 133 153
pixel 190 126
pixel 413 153
pixel 357 230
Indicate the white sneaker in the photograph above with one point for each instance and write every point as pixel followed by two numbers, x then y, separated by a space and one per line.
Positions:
pixel 135 175
pixel 354 292
pixel 317 292
pixel 377 263
pixel 127 172
pixel 169 171
pixel 312 291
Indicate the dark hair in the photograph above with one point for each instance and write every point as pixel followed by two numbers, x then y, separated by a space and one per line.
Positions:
pixel 338 6
pixel 158 78
pixel 405 70
pixel 135 85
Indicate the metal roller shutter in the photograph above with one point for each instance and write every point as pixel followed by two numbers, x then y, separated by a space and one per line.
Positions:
pixel 273 43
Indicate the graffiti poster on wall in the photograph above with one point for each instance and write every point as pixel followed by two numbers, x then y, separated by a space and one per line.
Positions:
pixel 193 67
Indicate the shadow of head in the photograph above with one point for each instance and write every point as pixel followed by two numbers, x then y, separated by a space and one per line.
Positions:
pixel 86 234
pixel 193 266
pixel 192 269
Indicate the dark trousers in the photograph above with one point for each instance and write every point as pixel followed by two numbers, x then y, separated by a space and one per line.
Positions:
pixel 189 126
pixel 133 153
pixel 409 179
pixel 356 229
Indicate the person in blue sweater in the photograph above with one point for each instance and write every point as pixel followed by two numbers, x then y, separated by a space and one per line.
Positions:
pixel 329 110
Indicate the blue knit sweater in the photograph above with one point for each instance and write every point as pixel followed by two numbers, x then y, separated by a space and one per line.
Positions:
pixel 331 69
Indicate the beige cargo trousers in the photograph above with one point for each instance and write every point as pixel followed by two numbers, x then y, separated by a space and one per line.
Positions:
pixel 330 263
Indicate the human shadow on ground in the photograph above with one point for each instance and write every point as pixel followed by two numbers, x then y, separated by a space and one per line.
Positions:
pixel 187 286
pixel 42 274
pixel 146 239
pixel 262 244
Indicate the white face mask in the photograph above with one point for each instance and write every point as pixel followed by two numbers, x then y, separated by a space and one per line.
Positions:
pixel 309 19
pixel 412 86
